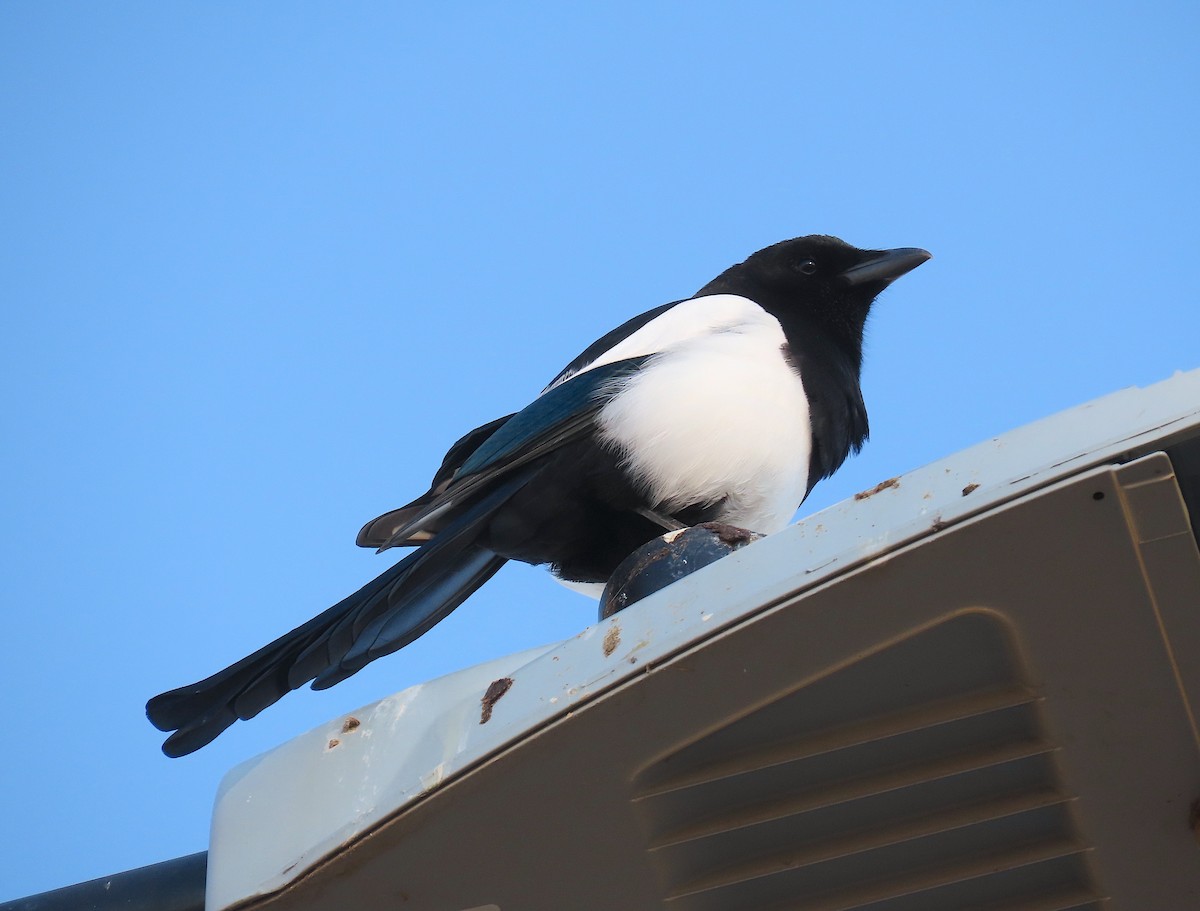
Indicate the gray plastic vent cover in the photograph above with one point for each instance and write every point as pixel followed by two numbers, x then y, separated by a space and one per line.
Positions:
pixel 936 786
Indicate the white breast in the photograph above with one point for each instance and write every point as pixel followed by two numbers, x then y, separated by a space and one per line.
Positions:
pixel 717 415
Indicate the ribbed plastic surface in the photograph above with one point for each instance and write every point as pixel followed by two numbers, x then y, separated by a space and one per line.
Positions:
pixel 938 793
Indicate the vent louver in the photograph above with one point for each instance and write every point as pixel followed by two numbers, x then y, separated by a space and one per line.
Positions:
pixel 936 790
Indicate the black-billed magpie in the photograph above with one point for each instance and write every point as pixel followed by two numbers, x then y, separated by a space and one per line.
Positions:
pixel 727 406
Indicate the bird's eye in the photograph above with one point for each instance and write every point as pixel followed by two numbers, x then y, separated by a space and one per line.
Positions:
pixel 806 267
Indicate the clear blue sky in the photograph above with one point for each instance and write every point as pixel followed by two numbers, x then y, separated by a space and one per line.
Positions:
pixel 260 264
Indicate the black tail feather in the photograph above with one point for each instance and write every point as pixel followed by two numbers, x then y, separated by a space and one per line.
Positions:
pixel 384 615
pixel 409 619
pixel 199 712
pixel 438 578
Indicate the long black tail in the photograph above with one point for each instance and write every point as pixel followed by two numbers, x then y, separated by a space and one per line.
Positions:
pixel 384 615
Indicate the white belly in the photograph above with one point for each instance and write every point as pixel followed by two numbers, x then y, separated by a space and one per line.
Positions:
pixel 718 418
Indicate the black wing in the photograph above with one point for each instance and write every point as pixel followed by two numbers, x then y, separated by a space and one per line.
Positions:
pixel 563 413
pixel 382 532
pixel 383 528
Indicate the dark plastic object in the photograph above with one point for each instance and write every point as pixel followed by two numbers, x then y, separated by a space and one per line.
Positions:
pixel 668 558
pixel 173 885
pixel 1185 459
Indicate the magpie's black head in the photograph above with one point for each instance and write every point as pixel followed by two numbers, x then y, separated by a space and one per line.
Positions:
pixel 818 280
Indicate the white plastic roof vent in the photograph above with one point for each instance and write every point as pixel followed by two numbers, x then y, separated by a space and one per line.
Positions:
pixel 975 687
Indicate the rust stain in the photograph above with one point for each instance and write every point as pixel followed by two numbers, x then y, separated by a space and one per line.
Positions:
pixel 611 640
pixel 495 690
pixel 350 725
pixel 729 535
pixel 878 488
pixel 970 489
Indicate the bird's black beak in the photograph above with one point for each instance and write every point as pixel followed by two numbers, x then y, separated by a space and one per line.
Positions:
pixel 886 267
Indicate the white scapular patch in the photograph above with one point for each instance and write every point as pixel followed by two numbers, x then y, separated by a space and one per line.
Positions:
pixel 685 321
pixel 718 415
